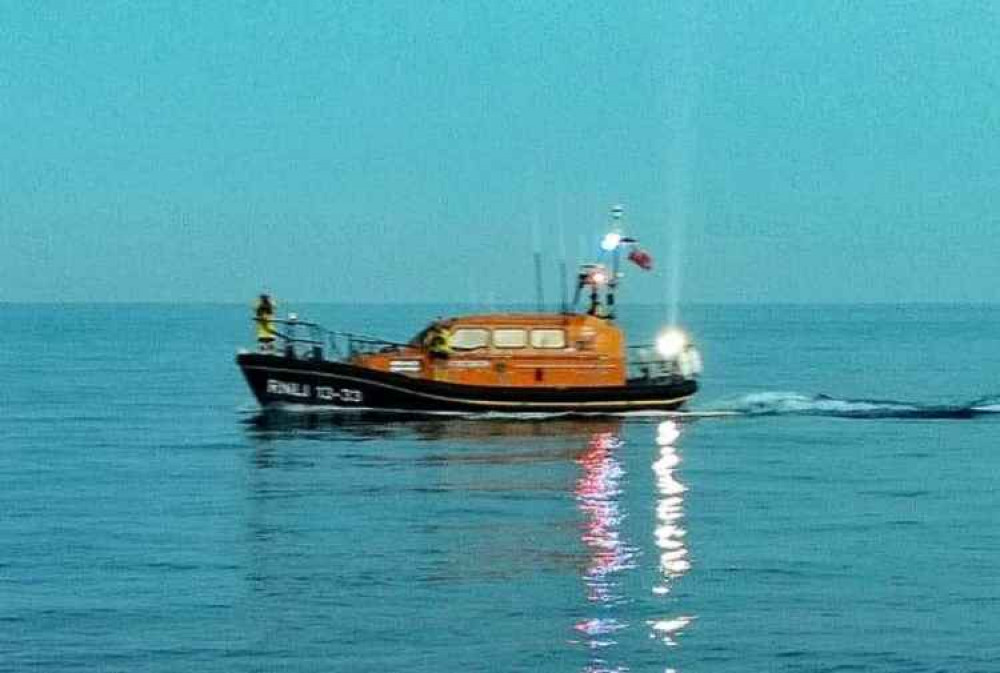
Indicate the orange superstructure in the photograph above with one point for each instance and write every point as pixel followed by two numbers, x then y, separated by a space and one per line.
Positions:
pixel 551 350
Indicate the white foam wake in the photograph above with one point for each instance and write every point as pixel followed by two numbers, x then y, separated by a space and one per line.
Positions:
pixel 792 403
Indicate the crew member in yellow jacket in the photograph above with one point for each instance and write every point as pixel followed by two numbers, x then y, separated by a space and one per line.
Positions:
pixel 263 315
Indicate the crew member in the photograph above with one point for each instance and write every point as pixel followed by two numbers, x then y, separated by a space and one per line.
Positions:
pixel 438 341
pixel 263 315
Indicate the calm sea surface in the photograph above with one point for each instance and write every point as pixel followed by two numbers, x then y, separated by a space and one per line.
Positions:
pixel 845 518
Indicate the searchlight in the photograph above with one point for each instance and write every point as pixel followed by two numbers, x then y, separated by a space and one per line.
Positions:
pixel 671 343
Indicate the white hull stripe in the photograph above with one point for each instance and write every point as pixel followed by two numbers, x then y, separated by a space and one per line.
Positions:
pixel 464 400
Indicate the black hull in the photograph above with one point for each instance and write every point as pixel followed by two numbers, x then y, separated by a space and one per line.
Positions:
pixel 278 380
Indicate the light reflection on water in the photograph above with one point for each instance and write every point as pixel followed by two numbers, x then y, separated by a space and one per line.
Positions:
pixel 670 533
pixel 599 495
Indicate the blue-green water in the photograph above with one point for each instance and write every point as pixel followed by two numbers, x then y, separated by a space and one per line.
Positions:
pixel 150 520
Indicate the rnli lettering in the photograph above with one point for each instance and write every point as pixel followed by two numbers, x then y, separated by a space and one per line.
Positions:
pixel 275 387
pixel 323 393
pixel 346 395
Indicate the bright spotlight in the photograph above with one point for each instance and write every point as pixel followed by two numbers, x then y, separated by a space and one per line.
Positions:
pixel 670 343
pixel 611 241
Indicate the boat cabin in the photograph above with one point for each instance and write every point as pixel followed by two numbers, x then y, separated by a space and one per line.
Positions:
pixel 519 350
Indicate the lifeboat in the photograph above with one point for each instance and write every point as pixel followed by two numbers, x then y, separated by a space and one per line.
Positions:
pixel 558 362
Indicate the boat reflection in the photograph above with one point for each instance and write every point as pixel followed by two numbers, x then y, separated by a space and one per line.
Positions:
pixel 617 517
pixel 464 496
pixel 276 424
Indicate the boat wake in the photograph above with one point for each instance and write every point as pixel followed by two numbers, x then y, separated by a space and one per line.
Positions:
pixel 798 404
pixel 751 405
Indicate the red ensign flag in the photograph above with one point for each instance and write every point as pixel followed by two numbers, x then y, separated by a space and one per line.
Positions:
pixel 641 259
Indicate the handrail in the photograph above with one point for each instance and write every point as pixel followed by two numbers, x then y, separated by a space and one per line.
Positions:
pixel 319 336
pixel 365 338
pixel 288 321
pixel 356 336
pixel 298 340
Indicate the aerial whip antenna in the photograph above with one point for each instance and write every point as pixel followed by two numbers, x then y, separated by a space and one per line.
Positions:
pixel 563 281
pixel 539 292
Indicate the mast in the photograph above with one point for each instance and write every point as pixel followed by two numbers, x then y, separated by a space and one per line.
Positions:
pixel 598 276
pixel 614 238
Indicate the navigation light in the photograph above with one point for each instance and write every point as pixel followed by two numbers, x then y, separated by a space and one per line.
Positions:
pixel 611 241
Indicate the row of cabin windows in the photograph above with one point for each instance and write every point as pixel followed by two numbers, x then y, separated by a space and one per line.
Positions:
pixel 471 338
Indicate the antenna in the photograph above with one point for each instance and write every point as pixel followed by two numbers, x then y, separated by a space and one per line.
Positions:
pixel 564 287
pixel 539 290
pixel 563 282
pixel 539 294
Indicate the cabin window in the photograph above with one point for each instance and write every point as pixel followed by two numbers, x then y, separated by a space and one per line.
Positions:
pixel 548 338
pixel 469 339
pixel 510 338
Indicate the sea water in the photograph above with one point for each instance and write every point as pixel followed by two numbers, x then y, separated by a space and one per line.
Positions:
pixel 829 504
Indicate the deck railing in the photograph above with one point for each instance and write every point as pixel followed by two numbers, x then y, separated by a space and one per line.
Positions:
pixel 302 338
pixel 643 362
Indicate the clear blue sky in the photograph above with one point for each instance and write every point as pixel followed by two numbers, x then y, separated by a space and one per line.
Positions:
pixel 406 151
